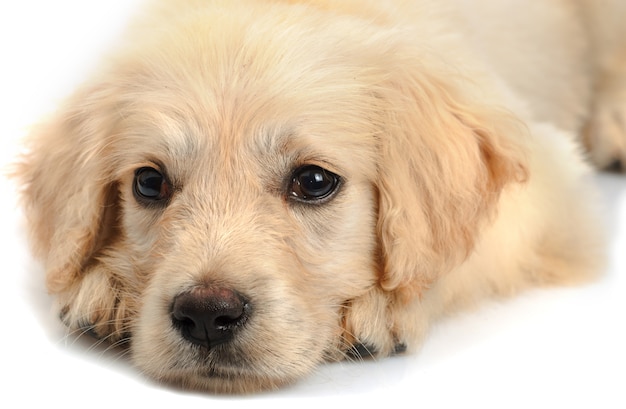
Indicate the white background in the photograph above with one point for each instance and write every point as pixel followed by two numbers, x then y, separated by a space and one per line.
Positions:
pixel 561 347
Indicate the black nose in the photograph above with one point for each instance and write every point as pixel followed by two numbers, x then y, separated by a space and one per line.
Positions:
pixel 209 315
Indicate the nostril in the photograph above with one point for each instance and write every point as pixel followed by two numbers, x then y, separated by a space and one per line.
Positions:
pixel 209 315
pixel 225 321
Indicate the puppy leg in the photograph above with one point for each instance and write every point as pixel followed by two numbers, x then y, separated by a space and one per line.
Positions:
pixel 95 305
pixel 605 134
pixel 381 323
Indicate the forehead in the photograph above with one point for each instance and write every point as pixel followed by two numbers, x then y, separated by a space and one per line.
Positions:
pixel 214 101
pixel 198 139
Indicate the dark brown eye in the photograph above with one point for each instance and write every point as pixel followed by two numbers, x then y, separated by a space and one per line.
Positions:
pixel 150 186
pixel 312 183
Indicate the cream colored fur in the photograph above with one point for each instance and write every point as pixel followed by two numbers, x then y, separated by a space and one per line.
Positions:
pixel 453 125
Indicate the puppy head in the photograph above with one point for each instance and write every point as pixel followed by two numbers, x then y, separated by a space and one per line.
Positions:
pixel 228 189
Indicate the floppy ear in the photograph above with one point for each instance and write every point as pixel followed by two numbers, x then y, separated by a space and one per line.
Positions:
pixel 444 162
pixel 67 191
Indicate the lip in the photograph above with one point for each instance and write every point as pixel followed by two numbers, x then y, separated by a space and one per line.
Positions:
pixel 222 380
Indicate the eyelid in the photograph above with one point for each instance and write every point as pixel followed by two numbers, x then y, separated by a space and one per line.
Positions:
pixel 322 163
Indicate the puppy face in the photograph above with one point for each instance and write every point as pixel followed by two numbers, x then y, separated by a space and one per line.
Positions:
pixel 275 212
pixel 241 199
pixel 262 194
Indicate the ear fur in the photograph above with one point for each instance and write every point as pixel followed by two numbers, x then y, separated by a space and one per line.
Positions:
pixel 444 161
pixel 67 189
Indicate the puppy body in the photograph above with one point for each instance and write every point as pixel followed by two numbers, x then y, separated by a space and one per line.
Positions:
pixel 453 131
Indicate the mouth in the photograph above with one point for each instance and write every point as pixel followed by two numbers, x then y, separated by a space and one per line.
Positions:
pixel 216 339
pixel 224 380
pixel 227 368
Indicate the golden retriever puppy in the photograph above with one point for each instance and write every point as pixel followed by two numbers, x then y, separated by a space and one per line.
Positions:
pixel 249 188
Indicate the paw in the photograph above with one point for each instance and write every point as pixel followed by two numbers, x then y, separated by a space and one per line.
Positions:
pixel 605 135
pixel 92 306
pixel 372 327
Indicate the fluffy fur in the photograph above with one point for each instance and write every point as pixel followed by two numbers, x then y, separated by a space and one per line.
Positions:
pixel 454 128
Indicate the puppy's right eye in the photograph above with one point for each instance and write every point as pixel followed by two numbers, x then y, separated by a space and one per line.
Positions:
pixel 150 186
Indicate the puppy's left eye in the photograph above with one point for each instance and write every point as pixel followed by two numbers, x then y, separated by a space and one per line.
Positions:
pixel 312 183
pixel 150 186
